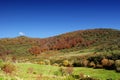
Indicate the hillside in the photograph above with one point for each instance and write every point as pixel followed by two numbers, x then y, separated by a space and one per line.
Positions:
pixel 100 39
pixel 94 48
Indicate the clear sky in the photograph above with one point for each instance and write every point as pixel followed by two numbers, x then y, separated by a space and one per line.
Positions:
pixel 45 18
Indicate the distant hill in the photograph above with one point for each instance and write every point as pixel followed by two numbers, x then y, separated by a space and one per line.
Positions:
pixel 100 39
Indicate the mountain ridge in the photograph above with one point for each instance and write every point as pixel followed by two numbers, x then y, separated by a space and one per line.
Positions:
pixel 61 33
pixel 80 39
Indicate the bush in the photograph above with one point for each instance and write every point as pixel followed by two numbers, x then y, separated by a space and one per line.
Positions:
pixel 96 58
pixel 69 78
pixel 92 64
pixel 77 63
pixel 41 63
pixel 65 62
pixel 111 62
pixel 69 70
pixel 8 68
pixel 108 64
pixel 99 66
pixel 62 71
pixel 14 59
pixel 55 64
pixel 85 63
pixel 105 62
pixel 47 62
pixel 82 76
pixel 1 63
pixel 66 71
pixel 39 77
pixel 30 70
pixel 115 56
pixel 117 65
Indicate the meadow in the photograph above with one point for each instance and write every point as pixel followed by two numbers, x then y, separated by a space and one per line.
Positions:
pixel 30 71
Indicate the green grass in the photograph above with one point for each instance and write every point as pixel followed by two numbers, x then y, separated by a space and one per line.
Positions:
pixel 39 69
pixel 22 72
pixel 48 70
pixel 65 54
pixel 52 72
pixel 98 73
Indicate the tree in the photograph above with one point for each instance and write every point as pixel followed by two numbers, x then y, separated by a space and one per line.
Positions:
pixel 35 50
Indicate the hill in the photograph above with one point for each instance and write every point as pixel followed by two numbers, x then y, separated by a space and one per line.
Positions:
pixel 82 39
pixel 97 48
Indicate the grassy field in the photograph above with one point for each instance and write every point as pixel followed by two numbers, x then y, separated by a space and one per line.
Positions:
pixel 29 71
pixel 101 74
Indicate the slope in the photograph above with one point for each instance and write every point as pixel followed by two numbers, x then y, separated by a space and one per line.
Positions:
pixel 100 39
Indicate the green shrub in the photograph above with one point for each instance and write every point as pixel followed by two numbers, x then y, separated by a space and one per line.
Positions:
pixel 1 63
pixel 77 63
pixel 96 58
pixel 58 73
pixel 115 56
pixel 47 62
pixel 62 70
pixel 111 62
pixel 76 77
pixel 70 77
pixel 117 65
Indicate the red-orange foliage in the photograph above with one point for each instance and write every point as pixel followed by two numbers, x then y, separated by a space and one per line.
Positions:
pixel 77 39
pixel 85 63
pixel 8 68
pixel 105 62
pixel 35 50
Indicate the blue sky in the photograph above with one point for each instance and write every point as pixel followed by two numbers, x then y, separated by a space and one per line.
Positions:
pixel 45 18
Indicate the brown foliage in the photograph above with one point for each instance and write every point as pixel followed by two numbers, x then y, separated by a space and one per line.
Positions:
pixel 14 59
pixel 81 75
pixel 30 70
pixel 105 62
pixel 39 77
pixel 108 64
pixel 111 62
pixel 69 70
pixel 92 64
pixel 99 66
pixel 8 68
pixel 85 63
pixel 35 50
pixel 77 39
